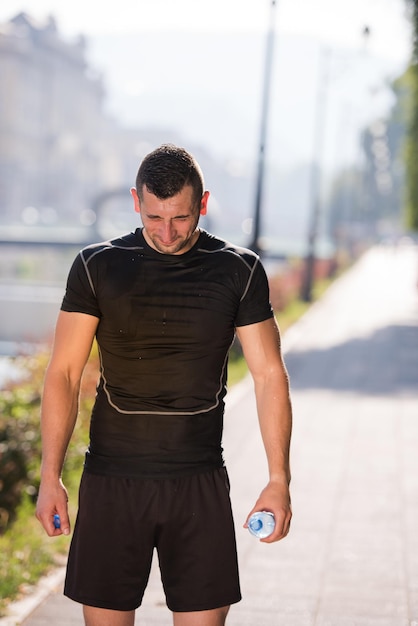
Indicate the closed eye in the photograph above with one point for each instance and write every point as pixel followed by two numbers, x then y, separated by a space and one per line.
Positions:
pixel 178 218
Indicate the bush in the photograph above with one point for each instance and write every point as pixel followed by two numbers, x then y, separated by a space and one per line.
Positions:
pixel 20 443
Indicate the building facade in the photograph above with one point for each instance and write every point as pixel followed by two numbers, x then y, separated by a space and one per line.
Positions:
pixel 52 127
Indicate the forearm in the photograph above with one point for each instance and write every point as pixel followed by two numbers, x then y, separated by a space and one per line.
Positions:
pixel 58 417
pixel 275 418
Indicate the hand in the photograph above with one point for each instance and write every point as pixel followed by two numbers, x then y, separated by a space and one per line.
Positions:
pixel 275 498
pixel 52 500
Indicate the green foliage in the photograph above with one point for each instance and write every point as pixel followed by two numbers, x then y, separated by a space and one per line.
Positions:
pixel 20 443
pixel 26 553
pixel 237 366
pixel 411 154
pixel 411 148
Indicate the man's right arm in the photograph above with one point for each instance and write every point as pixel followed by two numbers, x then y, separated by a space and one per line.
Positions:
pixel 74 336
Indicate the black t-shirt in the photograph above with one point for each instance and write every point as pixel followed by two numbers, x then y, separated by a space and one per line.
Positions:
pixel 166 325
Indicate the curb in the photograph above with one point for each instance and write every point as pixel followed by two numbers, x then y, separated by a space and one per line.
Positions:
pixel 20 610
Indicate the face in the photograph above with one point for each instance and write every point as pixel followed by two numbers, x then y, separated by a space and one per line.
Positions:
pixel 170 226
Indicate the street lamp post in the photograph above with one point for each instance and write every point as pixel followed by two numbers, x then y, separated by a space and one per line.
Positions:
pixel 316 175
pixel 256 229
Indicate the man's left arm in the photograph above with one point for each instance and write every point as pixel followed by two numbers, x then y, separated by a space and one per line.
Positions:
pixel 262 350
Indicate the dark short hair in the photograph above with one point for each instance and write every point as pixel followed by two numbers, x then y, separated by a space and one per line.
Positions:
pixel 166 170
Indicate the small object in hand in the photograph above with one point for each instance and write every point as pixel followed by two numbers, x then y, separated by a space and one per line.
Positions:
pixel 57 521
pixel 261 524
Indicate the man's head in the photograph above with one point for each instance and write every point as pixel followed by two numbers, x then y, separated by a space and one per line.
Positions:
pixel 170 197
pixel 166 170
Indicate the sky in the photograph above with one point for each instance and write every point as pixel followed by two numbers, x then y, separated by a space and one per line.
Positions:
pixel 217 102
pixel 321 18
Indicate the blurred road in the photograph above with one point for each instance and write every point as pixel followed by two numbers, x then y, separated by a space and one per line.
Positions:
pixel 351 558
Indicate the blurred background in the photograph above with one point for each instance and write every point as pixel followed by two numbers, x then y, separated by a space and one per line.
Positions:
pixel 298 111
pixel 304 117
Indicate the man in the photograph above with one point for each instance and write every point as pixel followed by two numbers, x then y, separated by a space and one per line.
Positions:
pixel 164 304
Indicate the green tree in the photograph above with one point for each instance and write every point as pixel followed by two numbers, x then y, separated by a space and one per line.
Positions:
pixel 411 145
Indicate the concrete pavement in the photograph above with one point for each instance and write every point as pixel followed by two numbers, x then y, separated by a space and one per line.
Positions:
pixel 351 558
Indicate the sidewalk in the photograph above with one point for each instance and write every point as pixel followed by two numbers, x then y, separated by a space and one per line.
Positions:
pixel 351 558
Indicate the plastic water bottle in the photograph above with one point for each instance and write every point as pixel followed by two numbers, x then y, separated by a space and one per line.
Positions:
pixel 261 524
pixel 57 521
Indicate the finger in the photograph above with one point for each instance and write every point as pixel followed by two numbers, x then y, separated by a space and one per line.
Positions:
pixel 280 531
pixel 47 522
pixel 65 526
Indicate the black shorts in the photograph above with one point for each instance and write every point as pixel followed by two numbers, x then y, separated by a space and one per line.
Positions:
pixel 120 521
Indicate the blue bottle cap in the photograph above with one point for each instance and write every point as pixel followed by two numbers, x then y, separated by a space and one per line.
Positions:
pixel 261 524
pixel 256 524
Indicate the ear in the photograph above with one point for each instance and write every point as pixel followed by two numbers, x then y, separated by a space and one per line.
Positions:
pixel 204 203
pixel 137 203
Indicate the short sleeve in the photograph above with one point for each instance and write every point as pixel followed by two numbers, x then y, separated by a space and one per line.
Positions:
pixel 80 294
pixel 255 302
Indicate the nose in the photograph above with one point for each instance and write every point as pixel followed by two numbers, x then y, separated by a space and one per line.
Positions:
pixel 167 232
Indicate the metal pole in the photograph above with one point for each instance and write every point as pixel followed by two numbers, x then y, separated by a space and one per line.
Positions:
pixel 255 242
pixel 320 118
pixel 316 177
